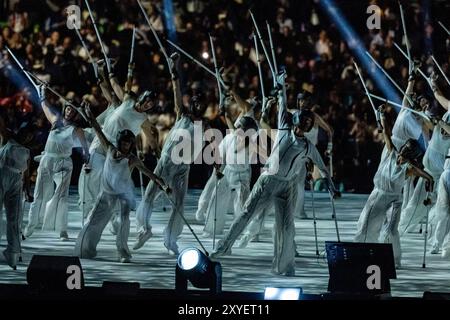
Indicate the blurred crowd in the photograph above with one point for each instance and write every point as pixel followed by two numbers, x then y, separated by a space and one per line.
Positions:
pixel 307 44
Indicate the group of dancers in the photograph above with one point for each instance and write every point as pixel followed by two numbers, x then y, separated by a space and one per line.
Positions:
pixel 412 182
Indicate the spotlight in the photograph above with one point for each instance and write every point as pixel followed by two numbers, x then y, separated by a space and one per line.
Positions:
pixel 205 55
pixel 271 293
pixel 195 266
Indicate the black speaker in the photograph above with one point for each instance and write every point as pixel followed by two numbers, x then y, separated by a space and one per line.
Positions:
pixel 352 267
pixel 55 273
pixel 427 295
pixel 120 288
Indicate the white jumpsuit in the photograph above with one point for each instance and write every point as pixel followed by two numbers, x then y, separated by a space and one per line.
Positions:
pixel 407 127
pixel 55 167
pixel 433 162
pixel 13 162
pixel 115 120
pixel 234 187
pixel 207 191
pixel 386 195
pixel 175 175
pixel 116 187
pixel 277 185
pixel 441 211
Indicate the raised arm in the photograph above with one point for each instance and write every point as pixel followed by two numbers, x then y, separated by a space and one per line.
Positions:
pixel 243 105
pixel 282 103
pixel 387 130
pixel 49 114
pixel 444 102
pixel 98 130
pixel 177 99
pixel 118 90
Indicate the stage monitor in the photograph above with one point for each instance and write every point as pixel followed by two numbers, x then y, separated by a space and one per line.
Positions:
pixel 364 268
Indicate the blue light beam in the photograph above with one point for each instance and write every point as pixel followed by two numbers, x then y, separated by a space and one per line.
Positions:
pixel 358 48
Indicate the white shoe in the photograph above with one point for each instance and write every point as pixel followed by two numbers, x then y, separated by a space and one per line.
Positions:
pixel 445 253
pixel 220 251
pixel 172 249
pixel 206 234
pixel 435 249
pixel 141 238
pixel 124 256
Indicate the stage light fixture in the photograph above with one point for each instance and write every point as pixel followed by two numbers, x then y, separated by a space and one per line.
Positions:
pixel 271 293
pixel 195 266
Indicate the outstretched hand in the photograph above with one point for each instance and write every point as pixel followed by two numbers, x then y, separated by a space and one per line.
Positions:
pixel 281 79
pixel 86 110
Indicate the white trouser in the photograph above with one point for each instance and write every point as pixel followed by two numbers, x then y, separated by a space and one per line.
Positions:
pixel 176 176
pixel 300 204
pixel 256 225
pixel 89 183
pixel 408 191
pixel 50 202
pixel 234 188
pixel 267 190
pixel 99 217
pixel 205 196
pixel 441 211
pixel 375 216
pixel 11 198
pixel 415 211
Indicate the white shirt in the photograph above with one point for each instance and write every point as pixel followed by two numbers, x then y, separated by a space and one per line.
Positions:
pixel 116 177
pixel 434 157
pixel 125 117
pixel 60 142
pixel 406 127
pixel 184 142
pixel 390 176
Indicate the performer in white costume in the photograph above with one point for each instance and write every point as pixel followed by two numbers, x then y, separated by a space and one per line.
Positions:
pixel 55 167
pixel 394 167
pixel 440 214
pixel 279 184
pixel 433 162
pixel 304 102
pixel 14 163
pixel 116 186
pixel 131 115
pixel 175 174
pixel 237 151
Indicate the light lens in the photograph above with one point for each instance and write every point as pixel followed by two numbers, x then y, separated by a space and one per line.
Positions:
pixel 189 259
pixel 282 293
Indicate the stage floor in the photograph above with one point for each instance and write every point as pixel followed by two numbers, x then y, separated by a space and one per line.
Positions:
pixel 247 269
